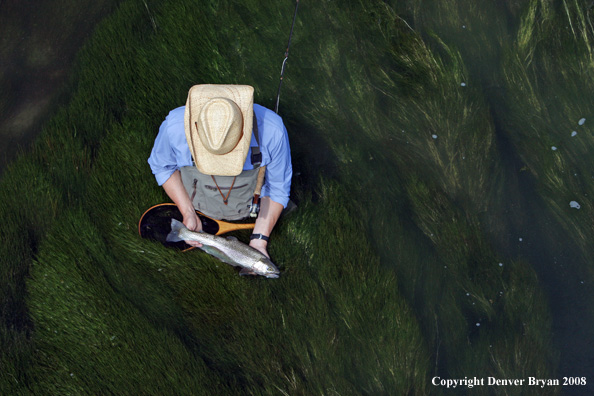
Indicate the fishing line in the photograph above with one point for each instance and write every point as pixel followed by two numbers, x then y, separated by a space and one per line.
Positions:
pixel 286 57
pixel 255 206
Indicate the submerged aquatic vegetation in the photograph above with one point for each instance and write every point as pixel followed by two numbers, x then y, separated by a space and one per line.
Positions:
pixel 426 198
pixel 558 106
pixel 398 264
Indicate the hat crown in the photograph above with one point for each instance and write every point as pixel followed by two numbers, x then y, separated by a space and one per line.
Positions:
pixel 220 125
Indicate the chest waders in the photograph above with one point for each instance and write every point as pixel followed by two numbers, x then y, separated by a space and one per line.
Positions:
pixel 227 197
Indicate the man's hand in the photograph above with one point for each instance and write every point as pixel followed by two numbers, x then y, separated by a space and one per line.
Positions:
pixel 174 188
pixel 260 245
pixel 193 223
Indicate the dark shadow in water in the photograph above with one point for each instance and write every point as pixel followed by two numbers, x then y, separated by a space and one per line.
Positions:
pixel 554 257
pixel 39 40
pixel 307 168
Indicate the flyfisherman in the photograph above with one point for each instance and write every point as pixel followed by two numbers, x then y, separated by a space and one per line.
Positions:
pixel 208 155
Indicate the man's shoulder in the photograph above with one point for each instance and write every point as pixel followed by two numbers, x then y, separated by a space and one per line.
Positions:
pixel 174 122
pixel 176 115
pixel 268 119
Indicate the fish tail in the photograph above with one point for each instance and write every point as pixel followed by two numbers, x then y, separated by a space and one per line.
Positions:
pixel 176 228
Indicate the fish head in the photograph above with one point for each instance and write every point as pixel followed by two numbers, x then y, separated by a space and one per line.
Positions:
pixel 266 267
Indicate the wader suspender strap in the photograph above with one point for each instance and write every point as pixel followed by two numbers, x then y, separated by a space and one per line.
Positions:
pixel 256 154
pixel 256 161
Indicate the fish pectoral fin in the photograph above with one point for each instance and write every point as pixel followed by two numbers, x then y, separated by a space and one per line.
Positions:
pixel 245 271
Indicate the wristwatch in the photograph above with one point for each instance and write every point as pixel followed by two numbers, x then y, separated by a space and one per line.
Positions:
pixel 259 236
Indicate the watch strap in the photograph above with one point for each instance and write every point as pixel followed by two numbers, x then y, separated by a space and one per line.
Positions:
pixel 259 236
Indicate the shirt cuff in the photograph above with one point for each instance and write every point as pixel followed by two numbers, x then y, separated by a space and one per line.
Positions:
pixel 279 199
pixel 163 176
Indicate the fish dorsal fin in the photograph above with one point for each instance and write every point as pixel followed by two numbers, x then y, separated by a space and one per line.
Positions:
pixel 232 238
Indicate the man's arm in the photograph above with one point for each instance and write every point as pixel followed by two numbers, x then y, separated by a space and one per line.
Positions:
pixel 270 211
pixel 176 191
pixel 275 192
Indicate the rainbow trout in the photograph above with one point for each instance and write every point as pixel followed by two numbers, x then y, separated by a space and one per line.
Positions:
pixel 229 250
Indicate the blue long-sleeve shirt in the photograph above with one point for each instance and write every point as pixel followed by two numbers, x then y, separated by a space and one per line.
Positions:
pixel 171 151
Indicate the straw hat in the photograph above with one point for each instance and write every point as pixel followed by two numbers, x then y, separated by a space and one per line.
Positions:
pixel 218 122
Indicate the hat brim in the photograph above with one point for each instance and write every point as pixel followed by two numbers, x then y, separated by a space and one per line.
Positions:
pixel 230 164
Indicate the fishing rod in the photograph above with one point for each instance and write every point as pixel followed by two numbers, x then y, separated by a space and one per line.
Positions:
pixel 286 57
pixel 255 207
